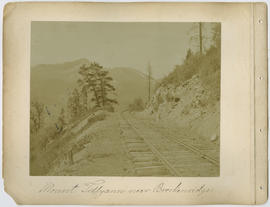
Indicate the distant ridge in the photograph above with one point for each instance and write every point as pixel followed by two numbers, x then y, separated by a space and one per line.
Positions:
pixel 64 64
pixel 52 84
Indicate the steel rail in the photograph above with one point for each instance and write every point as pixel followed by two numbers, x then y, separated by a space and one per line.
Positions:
pixel 173 139
pixel 165 162
pixel 195 150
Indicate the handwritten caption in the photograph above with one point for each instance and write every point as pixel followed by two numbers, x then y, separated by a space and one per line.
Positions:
pixel 99 187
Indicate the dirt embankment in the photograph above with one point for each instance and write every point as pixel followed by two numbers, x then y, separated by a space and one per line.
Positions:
pixel 96 151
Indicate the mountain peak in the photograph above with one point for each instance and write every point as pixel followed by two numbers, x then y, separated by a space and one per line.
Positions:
pixel 64 64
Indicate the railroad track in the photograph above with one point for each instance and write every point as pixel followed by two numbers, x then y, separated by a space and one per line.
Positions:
pixel 155 155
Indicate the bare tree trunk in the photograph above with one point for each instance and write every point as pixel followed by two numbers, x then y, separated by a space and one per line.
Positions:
pixel 149 82
pixel 200 33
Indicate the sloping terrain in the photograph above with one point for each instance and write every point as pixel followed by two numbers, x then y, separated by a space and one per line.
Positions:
pixel 96 150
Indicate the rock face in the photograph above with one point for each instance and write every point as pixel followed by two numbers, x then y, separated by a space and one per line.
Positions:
pixel 189 105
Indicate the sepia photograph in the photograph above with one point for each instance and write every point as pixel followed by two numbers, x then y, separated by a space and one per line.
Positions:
pixel 125 99
pixel 138 103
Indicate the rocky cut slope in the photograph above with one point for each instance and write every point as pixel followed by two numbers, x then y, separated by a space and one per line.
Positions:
pixel 189 97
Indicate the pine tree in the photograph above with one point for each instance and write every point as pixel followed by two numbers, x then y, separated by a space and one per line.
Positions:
pixel 198 37
pixel 106 88
pixel 89 81
pixel 216 35
pixel 84 99
pixel 188 55
pixel 36 116
pixel 62 119
pixel 74 104
pixel 97 81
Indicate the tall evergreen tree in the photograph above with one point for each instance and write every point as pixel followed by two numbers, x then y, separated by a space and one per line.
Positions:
pixel 74 104
pixel 62 119
pixel 97 81
pixel 89 81
pixel 84 99
pixel 36 115
pixel 198 37
pixel 216 35
pixel 106 88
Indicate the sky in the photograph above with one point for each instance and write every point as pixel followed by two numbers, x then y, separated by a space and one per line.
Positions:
pixel 112 44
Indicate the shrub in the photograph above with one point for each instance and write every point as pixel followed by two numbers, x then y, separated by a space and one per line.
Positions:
pixel 137 105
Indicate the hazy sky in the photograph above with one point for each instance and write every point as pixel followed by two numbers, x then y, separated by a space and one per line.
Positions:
pixel 112 44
